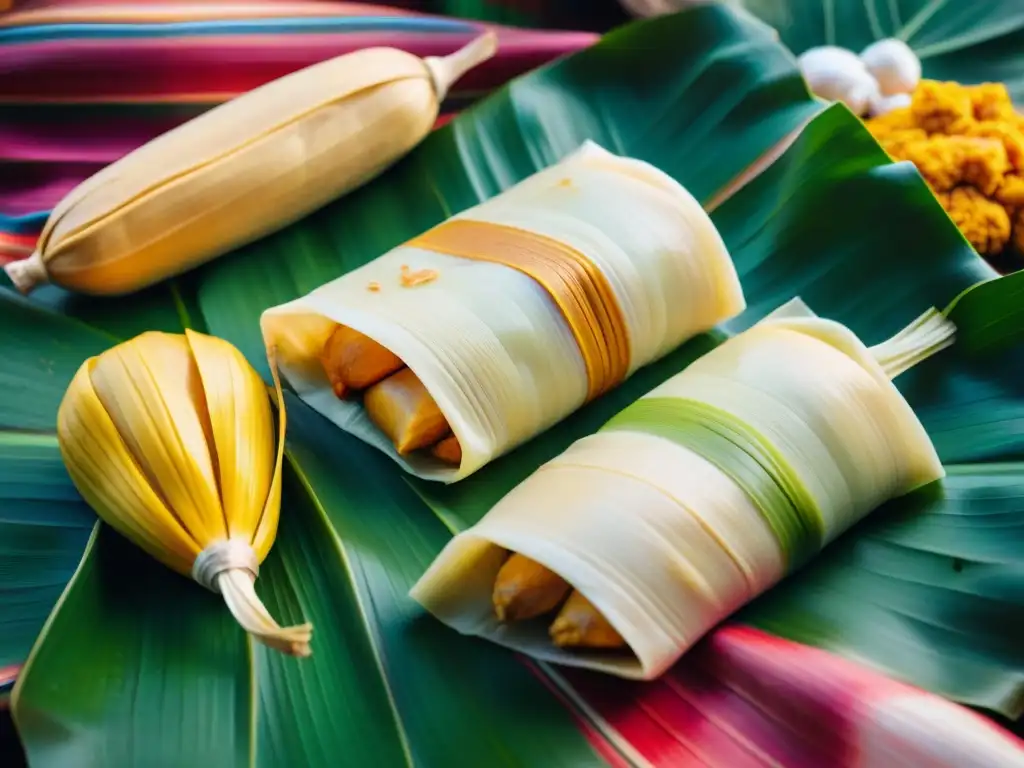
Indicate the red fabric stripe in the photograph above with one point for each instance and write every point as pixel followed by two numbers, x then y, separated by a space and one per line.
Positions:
pixel 35 12
pixel 211 69
pixel 746 699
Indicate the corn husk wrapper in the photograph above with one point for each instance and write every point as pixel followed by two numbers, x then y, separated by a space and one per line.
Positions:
pixel 487 341
pixel 243 169
pixel 170 438
pixel 705 492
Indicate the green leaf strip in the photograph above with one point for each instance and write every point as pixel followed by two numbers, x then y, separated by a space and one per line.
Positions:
pixel 745 456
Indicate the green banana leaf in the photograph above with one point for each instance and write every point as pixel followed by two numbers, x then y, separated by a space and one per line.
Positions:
pixel 967 41
pixel 139 666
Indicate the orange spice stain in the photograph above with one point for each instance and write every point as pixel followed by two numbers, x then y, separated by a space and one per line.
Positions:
pixel 411 278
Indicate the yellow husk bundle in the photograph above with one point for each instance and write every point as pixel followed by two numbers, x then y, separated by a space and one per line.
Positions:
pixel 461 343
pixel 243 170
pixel 170 438
pixel 623 551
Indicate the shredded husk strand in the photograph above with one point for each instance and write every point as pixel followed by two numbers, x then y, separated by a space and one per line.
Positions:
pixel 238 589
pixel 929 334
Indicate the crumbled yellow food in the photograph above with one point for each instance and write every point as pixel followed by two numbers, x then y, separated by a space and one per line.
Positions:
pixel 897 142
pixel 990 101
pixel 941 107
pixel 1008 133
pixel 985 223
pixel 1011 191
pixel 982 162
pixel 893 122
pixel 968 144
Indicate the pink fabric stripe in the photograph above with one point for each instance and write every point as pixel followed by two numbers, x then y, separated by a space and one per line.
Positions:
pixel 746 699
pixel 214 68
pixel 89 142
pixel 132 11
pixel 94 141
pixel 30 188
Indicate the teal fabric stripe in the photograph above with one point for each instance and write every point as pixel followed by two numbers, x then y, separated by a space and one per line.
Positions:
pixel 742 454
pixel 26 224
pixel 53 32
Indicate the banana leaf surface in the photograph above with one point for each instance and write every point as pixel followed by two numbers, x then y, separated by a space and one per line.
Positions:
pixel 920 605
pixel 969 42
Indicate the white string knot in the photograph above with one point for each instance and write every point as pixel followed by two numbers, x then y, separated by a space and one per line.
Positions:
pixel 224 555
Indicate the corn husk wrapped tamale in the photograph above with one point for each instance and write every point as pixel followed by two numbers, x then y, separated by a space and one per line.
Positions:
pixel 170 439
pixel 697 497
pixel 517 311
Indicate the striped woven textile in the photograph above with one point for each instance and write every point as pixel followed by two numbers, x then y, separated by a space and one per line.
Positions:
pixel 83 83
pixel 599 15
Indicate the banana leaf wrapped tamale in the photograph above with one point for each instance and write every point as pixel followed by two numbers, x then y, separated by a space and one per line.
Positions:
pixel 620 553
pixel 170 438
pixel 465 341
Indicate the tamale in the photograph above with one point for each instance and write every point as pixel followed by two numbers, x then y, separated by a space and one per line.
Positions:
pixel 699 496
pixel 448 450
pixel 524 588
pixel 354 361
pixel 403 410
pixel 170 438
pixel 243 169
pixel 579 624
pixel 516 312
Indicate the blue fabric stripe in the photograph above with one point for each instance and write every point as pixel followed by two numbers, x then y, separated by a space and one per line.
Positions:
pixel 51 32
pixel 26 224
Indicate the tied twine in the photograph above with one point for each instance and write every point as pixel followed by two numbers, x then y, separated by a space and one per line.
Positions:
pixel 230 567
pixel 224 555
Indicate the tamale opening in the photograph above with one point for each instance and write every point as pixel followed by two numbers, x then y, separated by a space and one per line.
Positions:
pixel 352 364
pixel 171 439
pixel 519 600
pixel 524 589
pixel 394 398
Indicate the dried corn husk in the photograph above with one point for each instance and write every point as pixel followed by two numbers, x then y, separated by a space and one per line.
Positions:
pixel 243 169
pixel 170 438
pixel 705 492
pixel 494 349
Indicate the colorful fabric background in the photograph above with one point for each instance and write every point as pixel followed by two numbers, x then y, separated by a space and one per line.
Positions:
pixel 599 15
pixel 82 84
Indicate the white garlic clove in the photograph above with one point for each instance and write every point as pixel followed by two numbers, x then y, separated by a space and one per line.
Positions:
pixel 860 96
pixel 829 56
pixel 881 105
pixel 836 74
pixel 894 65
